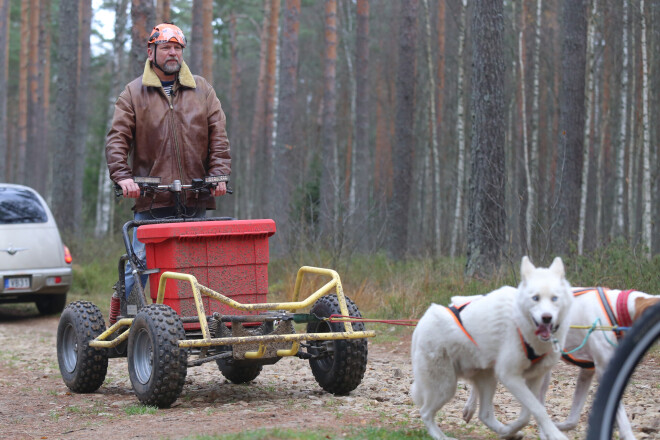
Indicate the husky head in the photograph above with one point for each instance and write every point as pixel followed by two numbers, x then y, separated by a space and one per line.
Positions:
pixel 544 296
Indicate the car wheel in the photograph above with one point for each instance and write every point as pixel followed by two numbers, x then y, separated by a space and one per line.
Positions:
pixel 51 304
pixel 156 365
pixel 83 368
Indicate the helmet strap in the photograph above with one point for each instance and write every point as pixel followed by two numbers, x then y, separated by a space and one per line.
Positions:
pixel 155 63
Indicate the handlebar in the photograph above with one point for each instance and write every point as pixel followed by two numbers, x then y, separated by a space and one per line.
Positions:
pixel 152 185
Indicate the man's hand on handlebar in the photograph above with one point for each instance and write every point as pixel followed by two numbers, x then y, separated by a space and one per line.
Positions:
pixel 219 190
pixel 129 188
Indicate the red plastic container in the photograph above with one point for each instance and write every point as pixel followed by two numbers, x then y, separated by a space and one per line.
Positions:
pixel 230 257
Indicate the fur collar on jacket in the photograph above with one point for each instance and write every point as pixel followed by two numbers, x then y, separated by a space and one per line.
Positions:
pixel 150 79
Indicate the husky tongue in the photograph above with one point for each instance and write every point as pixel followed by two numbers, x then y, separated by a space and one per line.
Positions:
pixel 543 331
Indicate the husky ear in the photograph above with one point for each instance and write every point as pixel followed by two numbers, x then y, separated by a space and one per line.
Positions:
pixel 526 268
pixel 557 267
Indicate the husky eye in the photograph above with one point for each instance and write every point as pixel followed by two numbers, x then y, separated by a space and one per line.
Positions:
pixel 555 298
pixel 536 297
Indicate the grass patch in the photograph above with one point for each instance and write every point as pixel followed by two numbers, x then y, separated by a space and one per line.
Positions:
pixel 320 434
pixel 383 288
pixel 136 410
pixel 95 270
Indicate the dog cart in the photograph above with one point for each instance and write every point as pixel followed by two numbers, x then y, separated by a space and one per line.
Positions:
pixel 208 282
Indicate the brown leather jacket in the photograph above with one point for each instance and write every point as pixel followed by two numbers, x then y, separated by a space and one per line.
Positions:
pixel 178 137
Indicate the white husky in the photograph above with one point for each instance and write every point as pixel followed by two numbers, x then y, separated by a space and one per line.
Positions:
pixel 512 335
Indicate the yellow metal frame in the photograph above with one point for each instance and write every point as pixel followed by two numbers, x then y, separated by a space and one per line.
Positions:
pixel 208 341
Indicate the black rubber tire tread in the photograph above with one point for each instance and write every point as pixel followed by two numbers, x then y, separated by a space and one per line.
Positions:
pixel 341 372
pixel 91 364
pixel 239 372
pixel 51 304
pixel 169 362
pixel 638 340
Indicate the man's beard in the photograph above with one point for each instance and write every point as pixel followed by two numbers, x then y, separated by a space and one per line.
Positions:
pixel 169 67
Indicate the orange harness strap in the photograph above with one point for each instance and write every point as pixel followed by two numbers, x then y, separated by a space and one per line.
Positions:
pixel 529 351
pixel 455 313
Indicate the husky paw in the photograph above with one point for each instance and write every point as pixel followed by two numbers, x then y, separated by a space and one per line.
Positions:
pixel 566 426
pixel 468 412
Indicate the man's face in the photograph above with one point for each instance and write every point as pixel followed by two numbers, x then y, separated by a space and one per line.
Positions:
pixel 169 56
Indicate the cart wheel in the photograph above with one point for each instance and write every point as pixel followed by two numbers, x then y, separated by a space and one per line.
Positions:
pixel 83 368
pixel 156 365
pixel 239 372
pixel 338 365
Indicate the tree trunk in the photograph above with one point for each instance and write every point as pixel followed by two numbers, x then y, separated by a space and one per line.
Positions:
pixel 104 200
pixel 271 87
pixel 362 163
pixel 346 23
pixel 162 11
pixel 654 45
pixel 525 144
pixel 65 117
pixel 460 134
pixel 588 104
pixel 34 100
pixel 4 60
pixel 618 223
pixel 433 132
pixel 286 148
pixel 599 130
pixel 257 138
pixel 208 40
pixel 487 216
pixel 42 166
pixel 80 141
pixel 437 168
pixel 532 197
pixel 404 140
pixel 196 43
pixel 329 178
pixel 23 94
pixel 633 150
pixel 235 139
pixel 646 135
pixel 569 167
pixel 142 17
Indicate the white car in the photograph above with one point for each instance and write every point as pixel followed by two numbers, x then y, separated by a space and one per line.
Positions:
pixel 35 266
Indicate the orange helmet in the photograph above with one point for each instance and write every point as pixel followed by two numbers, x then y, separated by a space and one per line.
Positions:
pixel 165 32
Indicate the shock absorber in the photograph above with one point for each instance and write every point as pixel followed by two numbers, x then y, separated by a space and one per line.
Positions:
pixel 115 306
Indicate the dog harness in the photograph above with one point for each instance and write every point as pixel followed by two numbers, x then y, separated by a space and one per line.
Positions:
pixel 587 365
pixel 622 311
pixel 456 314
pixel 621 308
pixel 529 351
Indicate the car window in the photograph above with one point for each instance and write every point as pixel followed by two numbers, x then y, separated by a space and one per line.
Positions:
pixel 20 206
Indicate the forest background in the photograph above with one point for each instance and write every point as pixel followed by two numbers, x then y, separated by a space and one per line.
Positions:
pixel 358 125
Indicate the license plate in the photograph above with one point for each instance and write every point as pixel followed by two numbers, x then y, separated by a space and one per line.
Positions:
pixel 17 283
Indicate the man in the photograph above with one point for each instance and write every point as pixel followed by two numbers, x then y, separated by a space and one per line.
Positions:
pixel 172 125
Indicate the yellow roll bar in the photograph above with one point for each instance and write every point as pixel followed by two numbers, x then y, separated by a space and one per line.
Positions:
pixel 207 341
pixel 198 289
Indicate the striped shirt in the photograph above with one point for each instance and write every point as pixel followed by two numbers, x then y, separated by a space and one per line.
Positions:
pixel 167 86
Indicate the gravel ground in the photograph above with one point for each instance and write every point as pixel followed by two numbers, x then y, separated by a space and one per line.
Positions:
pixel 35 403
